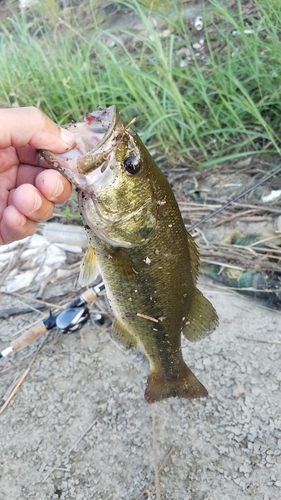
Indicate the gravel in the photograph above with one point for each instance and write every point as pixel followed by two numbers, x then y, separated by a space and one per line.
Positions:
pixel 79 427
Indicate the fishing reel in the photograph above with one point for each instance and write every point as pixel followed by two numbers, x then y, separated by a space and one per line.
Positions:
pixel 77 313
pixel 70 320
pixel 73 318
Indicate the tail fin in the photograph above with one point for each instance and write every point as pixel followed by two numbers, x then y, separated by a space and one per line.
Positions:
pixel 185 385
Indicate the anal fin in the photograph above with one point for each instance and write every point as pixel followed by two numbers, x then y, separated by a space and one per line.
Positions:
pixel 202 318
pixel 122 336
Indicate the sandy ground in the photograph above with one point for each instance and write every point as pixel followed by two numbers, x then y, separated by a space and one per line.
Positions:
pixel 79 428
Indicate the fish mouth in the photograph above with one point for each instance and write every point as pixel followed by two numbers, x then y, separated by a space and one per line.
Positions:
pixel 105 123
pixel 96 138
pixel 92 166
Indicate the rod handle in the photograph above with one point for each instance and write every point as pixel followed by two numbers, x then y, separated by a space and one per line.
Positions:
pixel 28 336
pixel 89 295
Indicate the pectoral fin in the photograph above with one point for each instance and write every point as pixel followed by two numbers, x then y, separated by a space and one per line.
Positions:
pixel 202 318
pixel 89 268
pixel 122 336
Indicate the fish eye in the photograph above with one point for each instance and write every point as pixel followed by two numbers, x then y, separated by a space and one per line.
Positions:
pixel 132 164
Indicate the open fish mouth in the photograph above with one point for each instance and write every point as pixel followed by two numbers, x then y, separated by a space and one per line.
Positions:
pixel 96 167
pixel 96 138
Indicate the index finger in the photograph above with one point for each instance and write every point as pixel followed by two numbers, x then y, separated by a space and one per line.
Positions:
pixel 22 126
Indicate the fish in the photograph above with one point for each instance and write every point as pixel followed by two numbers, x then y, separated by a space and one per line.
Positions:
pixel 138 243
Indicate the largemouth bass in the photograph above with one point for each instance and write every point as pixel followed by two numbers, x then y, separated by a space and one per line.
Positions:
pixel 139 244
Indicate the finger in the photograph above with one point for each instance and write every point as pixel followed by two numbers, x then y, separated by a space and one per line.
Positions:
pixel 53 186
pixel 22 126
pixel 29 156
pixel 10 197
pixel 30 202
pixel 27 174
pixel 15 226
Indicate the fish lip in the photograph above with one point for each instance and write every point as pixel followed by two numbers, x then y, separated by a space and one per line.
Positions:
pixel 107 119
pixel 110 121
pixel 94 158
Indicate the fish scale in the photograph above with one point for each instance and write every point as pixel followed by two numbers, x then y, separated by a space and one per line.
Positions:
pixel 138 243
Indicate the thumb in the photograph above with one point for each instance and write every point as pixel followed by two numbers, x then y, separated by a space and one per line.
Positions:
pixel 22 126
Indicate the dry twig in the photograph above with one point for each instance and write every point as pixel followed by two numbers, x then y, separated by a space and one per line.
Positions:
pixel 22 377
pixel 165 460
pixel 278 342
pixel 155 454
pixel 67 453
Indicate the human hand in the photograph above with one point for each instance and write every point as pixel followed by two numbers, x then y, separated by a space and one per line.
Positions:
pixel 28 192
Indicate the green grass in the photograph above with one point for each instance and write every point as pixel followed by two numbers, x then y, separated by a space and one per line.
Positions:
pixel 223 103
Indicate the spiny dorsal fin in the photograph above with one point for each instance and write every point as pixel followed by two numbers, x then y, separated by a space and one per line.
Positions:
pixel 202 318
pixel 194 256
pixel 89 268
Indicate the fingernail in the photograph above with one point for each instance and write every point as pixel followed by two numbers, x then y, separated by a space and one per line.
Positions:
pixel 37 202
pixel 67 138
pixel 22 221
pixel 58 189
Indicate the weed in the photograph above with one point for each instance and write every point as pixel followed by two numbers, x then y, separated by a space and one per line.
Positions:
pixel 200 97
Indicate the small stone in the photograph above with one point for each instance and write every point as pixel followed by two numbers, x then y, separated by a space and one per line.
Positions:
pixel 198 23
pixel 239 391
pixel 278 223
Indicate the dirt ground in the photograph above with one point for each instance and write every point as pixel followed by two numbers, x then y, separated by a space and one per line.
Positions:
pixel 79 428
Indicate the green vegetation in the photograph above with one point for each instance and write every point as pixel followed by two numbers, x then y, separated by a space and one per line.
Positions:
pixel 198 105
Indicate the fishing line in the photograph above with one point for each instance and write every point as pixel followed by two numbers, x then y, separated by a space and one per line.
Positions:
pixel 232 200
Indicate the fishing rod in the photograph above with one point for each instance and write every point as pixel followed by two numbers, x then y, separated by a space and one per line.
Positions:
pixel 13 311
pixel 71 319
pixel 234 199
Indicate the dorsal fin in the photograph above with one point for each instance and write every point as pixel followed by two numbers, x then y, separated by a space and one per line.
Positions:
pixel 194 256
